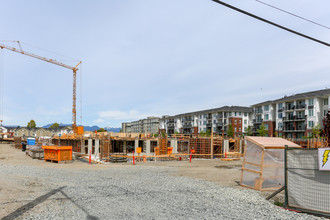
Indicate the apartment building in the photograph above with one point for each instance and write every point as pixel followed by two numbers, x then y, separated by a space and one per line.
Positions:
pixel 292 116
pixel 217 119
pixel 147 125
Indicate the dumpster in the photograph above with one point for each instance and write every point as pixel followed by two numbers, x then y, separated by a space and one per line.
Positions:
pixel 60 154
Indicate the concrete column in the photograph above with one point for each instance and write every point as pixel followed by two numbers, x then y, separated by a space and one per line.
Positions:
pixel 97 148
pixel 83 147
pixel 148 147
pixel 174 144
pixel 225 146
pixel 124 146
pixel 136 145
pixel 90 142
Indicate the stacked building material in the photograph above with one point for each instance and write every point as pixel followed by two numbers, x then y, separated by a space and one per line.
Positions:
pixel 118 158
pixel 17 142
pixel 35 152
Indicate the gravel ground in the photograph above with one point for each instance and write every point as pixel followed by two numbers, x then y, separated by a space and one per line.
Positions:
pixel 130 192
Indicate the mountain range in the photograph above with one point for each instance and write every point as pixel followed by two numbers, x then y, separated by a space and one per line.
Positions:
pixel 89 128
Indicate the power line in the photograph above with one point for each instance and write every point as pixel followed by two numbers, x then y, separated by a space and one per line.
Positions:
pixel 272 23
pixel 290 13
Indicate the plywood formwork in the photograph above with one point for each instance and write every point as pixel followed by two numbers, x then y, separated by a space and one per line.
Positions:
pixel 162 144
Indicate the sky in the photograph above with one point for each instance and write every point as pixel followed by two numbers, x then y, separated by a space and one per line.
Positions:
pixel 145 58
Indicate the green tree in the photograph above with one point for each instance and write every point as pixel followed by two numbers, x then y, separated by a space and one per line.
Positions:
pixel 55 125
pixel 230 131
pixel 262 130
pixel 101 130
pixel 31 124
pixel 249 131
pixel 316 130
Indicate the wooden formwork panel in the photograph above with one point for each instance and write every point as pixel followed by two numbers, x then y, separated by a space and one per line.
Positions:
pixel 162 146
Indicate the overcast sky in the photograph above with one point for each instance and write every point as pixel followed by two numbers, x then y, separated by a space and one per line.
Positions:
pixel 152 58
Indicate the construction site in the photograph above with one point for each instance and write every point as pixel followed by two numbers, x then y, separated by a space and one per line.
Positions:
pixel 221 163
pixel 106 175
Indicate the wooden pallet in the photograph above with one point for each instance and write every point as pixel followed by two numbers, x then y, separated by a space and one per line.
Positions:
pixel 59 162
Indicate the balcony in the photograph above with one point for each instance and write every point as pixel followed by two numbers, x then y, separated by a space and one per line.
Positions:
pixel 257 121
pixel 219 124
pixel 258 112
pixel 300 117
pixel 311 107
pixel 208 124
pixel 289 108
pixel 219 116
pixel 300 106
pixel 187 125
pixel 288 118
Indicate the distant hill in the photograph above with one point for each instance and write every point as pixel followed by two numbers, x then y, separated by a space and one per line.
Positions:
pixel 112 129
pixel 88 128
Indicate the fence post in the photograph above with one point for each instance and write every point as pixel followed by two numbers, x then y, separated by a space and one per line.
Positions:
pixel 286 176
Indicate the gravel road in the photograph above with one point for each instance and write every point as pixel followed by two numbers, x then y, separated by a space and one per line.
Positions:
pixel 128 192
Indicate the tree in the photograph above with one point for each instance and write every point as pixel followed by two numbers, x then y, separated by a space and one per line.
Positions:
pixel 262 130
pixel 316 130
pixel 230 131
pixel 55 125
pixel 31 124
pixel 249 131
pixel 101 130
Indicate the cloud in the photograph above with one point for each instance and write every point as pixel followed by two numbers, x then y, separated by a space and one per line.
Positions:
pixel 122 115
pixel 100 120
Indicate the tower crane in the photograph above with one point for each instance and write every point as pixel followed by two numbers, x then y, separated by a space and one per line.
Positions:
pixel 74 69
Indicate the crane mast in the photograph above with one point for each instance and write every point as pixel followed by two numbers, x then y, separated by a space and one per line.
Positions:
pixel 74 69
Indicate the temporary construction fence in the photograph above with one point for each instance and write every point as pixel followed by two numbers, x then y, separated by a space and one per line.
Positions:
pixel 263 163
pixel 307 189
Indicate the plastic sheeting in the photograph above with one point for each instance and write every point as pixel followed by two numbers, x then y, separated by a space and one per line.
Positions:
pixel 271 167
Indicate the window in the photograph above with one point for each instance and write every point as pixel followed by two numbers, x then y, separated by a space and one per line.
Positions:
pixel 266 126
pixel 325 102
pixel 235 121
pixel 310 101
pixel 240 129
pixel 310 124
pixel 280 115
pixel 229 113
pixel 266 117
pixel 280 105
pixel 245 122
pixel 266 107
pixel 245 114
pixel 235 129
pixel 235 113
pixel 240 113
pixel 280 125
pixel 204 116
pixel 325 113
pixel 200 123
pixel 214 121
pixel 204 122
pixel 310 112
pixel 240 121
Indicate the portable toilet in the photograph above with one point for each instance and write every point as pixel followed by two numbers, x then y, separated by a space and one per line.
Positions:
pixel 31 141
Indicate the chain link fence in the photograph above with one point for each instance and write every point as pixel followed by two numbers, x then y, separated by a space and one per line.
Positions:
pixel 307 189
